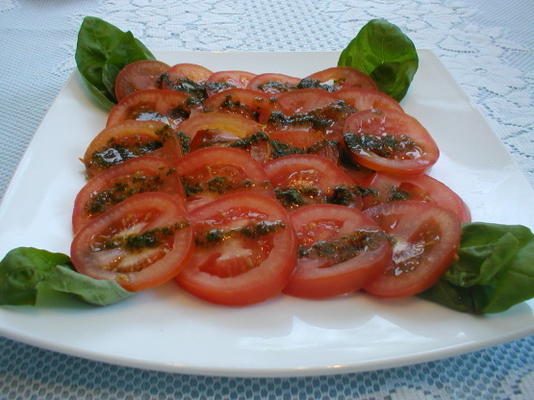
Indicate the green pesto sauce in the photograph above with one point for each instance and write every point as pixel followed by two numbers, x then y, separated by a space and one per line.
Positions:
pixel 386 145
pixel 101 201
pixel 115 153
pixel 291 197
pixel 345 247
pixel 345 195
pixel 253 231
pixel 148 239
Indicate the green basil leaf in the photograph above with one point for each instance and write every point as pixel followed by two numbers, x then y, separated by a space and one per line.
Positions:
pixel 494 270
pixel 22 269
pixel 128 50
pixel 99 96
pixel 382 51
pixel 25 271
pixel 99 292
pixel 102 50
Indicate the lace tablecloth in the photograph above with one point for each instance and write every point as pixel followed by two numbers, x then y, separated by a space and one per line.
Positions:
pixel 487 46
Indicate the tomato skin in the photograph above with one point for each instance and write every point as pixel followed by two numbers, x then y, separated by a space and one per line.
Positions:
pixel 367 99
pixel 426 239
pixel 163 105
pixel 245 287
pixel 139 75
pixel 407 147
pixel 130 139
pixel 344 77
pixel 224 80
pixel 416 187
pixel 235 165
pixel 245 102
pixel 272 84
pixel 316 277
pixel 135 268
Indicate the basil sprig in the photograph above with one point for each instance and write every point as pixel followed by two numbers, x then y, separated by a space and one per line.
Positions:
pixel 101 52
pixel 493 272
pixel 26 271
pixel 382 51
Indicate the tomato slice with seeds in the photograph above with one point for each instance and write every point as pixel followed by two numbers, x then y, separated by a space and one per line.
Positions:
pixel 139 75
pixel 163 105
pixel 209 173
pixel 140 243
pixel 426 239
pixel 245 102
pixel 224 80
pixel 389 141
pixel 273 84
pixel 303 179
pixel 390 188
pixel 245 250
pixel 138 175
pixel 340 250
pixel 367 99
pixel 343 77
pixel 130 139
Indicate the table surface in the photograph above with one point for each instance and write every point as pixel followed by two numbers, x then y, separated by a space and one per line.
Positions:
pixel 487 46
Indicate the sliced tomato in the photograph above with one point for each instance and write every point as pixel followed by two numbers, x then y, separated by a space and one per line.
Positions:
pixel 226 129
pixel 224 80
pixel 314 108
pixel 337 78
pixel 209 173
pixel 140 243
pixel 340 250
pixel 139 75
pixel 245 250
pixel 245 102
pixel 130 139
pixel 426 238
pixel 305 100
pixel 303 179
pixel 138 175
pixel 390 188
pixel 307 141
pixel 273 84
pixel 163 105
pixel 367 99
pixel 389 141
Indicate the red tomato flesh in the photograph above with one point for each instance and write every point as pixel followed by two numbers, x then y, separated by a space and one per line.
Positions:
pixel 130 139
pixel 426 239
pixel 212 172
pixel 389 141
pixel 417 187
pixel 140 243
pixel 138 175
pixel 340 250
pixel 245 250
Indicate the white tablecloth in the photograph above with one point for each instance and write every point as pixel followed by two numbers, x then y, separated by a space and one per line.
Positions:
pixel 487 46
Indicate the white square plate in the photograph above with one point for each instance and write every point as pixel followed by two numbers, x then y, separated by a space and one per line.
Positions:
pixel 166 329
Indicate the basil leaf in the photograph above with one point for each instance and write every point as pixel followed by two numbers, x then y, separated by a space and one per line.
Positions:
pixel 102 51
pixel 100 292
pixel 494 270
pixel 382 51
pixel 25 271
